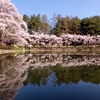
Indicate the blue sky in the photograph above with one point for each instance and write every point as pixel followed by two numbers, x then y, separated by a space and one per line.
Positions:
pixel 80 8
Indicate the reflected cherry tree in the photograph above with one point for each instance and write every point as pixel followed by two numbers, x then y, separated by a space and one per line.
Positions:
pixel 17 70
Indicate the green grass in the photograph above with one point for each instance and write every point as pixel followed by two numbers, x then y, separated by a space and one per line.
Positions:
pixel 16 48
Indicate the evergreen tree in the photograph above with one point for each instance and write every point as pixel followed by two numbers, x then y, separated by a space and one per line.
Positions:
pixel 25 18
pixel 74 25
pixel 34 23
pixel 84 25
pixel 61 26
pixel 96 20
pixel 91 25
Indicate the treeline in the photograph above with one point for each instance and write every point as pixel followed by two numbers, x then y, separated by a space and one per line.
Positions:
pixel 58 24
pixel 37 24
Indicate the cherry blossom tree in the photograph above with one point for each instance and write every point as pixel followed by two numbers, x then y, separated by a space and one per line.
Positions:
pixel 13 30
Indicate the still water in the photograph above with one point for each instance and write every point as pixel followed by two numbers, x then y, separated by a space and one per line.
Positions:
pixel 49 77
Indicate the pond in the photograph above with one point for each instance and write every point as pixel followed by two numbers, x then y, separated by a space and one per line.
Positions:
pixel 49 77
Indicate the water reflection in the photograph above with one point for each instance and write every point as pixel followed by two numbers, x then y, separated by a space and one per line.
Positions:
pixel 64 60
pixel 12 75
pixel 59 75
pixel 39 69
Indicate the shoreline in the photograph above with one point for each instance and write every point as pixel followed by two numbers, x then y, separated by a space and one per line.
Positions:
pixel 71 49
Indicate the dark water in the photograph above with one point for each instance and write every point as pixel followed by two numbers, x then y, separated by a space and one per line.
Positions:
pixel 49 77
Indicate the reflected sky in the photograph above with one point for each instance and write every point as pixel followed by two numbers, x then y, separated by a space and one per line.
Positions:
pixel 49 77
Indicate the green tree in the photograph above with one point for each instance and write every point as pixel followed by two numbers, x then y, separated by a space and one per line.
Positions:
pixel 96 20
pixel 91 25
pixel 25 18
pixel 84 25
pixel 61 26
pixel 34 23
pixel 74 25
